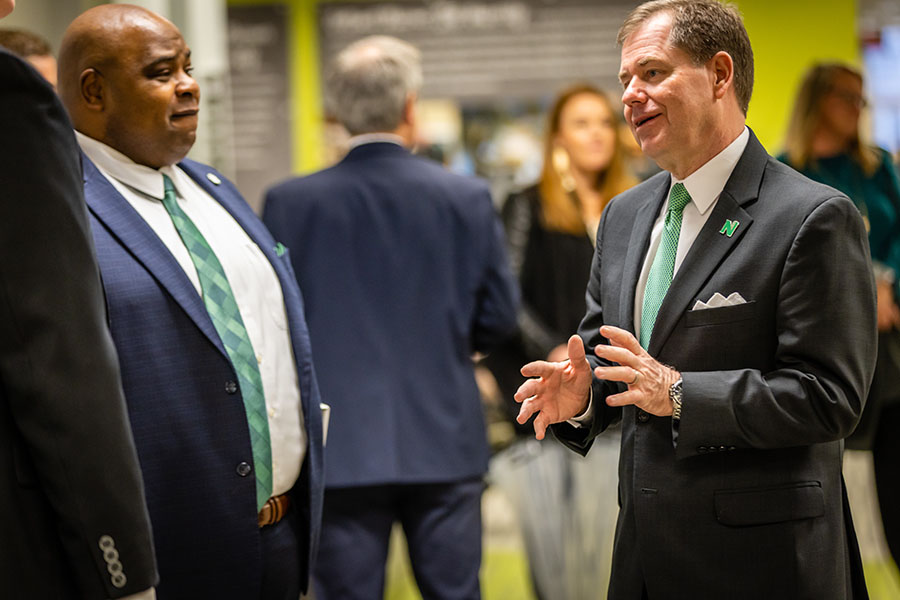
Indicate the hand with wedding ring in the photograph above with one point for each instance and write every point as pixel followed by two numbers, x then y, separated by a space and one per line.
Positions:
pixel 647 379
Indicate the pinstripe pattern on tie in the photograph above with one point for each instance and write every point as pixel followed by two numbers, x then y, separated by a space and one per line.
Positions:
pixel 226 317
pixel 663 266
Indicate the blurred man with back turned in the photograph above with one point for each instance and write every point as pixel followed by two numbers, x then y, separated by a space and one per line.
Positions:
pixel 731 318
pixel 404 273
pixel 206 317
pixel 74 523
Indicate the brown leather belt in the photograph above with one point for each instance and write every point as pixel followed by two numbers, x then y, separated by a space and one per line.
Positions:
pixel 274 510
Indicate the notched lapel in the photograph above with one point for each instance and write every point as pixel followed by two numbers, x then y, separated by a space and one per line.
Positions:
pixel 637 250
pixel 124 222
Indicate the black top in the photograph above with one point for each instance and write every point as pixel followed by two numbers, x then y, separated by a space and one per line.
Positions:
pixel 553 268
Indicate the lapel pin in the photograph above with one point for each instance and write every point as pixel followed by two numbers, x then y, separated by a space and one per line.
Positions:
pixel 212 177
pixel 279 249
pixel 729 227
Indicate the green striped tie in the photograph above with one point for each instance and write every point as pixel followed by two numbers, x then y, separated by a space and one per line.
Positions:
pixel 663 267
pixel 226 317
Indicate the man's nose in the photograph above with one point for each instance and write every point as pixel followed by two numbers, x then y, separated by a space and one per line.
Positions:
pixel 633 93
pixel 187 85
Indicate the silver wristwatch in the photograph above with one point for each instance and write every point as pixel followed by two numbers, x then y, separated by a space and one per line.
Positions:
pixel 675 396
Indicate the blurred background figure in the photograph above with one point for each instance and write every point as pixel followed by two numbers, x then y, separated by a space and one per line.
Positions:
pixel 32 48
pixel 404 276
pixel 823 142
pixel 566 502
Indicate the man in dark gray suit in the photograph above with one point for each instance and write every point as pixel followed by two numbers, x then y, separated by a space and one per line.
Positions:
pixel 731 310
pixel 74 522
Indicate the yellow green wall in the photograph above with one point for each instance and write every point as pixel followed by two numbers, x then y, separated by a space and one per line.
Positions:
pixel 787 37
pixel 303 64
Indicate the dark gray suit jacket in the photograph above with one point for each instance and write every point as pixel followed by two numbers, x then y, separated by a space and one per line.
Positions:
pixel 748 501
pixel 74 523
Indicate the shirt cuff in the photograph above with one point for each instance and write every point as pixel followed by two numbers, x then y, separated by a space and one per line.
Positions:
pixel 585 418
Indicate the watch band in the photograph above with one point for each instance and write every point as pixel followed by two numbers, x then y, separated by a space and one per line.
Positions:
pixel 675 395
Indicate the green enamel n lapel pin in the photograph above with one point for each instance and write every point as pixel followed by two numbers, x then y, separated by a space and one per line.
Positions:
pixel 729 227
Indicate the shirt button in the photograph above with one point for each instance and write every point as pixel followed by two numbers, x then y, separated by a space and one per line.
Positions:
pixel 643 416
pixel 259 359
pixel 243 469
pixel 231 387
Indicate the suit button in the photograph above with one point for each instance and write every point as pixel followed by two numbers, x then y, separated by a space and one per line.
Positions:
pixel 231 387
pixel 731 448
pixel 243 469
pixel 702 449
pixel 643 416
pixel 722 448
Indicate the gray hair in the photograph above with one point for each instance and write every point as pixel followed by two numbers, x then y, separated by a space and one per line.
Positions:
pixel 368 82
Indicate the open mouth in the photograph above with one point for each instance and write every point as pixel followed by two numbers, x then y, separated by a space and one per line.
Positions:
pixel 185 113
pixel 643 121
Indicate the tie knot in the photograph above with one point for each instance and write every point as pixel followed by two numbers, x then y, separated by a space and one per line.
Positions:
pixel 678 198
pixel 168 186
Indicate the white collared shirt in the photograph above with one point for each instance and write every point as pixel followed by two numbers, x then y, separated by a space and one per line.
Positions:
pixel 372 138
pixel 705 185
pixel 256 288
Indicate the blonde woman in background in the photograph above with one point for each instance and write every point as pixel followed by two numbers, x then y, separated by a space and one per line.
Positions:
pixel 823 143
pixel 550 230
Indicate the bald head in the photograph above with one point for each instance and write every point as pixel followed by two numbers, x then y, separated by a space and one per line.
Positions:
pixel 124 77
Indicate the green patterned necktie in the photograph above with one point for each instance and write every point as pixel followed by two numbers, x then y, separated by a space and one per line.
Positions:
pixel 226 317
pixel 663 267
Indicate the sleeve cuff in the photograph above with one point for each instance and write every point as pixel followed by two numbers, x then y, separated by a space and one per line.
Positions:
pixel 586 417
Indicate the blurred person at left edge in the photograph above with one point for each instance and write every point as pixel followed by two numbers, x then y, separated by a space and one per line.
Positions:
pixel 75 523
pixel 206 317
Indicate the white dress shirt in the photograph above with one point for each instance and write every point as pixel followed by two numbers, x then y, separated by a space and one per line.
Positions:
pixel 704 185
pixel 256 288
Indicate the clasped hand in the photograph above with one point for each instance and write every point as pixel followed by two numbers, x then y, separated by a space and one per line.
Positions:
pixel 559 391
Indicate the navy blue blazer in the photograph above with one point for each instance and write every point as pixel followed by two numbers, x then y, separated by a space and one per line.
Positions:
pixel 188 418
pixel 405 275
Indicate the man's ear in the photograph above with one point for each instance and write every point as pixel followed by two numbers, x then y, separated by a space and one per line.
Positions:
pixel 409 109
pixel 91 86
pixel 722 70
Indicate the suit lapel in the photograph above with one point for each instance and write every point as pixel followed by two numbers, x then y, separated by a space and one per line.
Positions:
pixel 638 243
pixel 712 246
pixel 120 218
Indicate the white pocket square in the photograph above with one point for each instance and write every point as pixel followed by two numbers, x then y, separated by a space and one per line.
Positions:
pixel 717 300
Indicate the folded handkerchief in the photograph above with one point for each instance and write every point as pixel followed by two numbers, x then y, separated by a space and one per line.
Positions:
pixel 717 300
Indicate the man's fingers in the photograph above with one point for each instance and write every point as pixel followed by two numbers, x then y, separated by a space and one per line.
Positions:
pixel 576 351
pixel 525 411
pixel 621 338
pixel 539 368
pixel 623 374
pixel 540 426
pixel 530 388
pixel 624 398
pixel 623 356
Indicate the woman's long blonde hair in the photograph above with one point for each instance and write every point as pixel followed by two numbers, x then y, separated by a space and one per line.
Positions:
pixel 560 208
pixel 807 116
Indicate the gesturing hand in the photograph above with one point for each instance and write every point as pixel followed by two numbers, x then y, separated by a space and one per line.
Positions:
pixel 648 380
pixel 559 391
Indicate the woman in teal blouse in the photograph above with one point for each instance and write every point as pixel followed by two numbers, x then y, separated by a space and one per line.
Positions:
pixel 823 143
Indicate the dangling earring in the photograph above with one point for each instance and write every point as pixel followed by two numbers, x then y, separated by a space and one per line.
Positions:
pixel 563 167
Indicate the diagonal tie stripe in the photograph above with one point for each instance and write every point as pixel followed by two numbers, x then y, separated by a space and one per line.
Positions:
pixel 663 266
pixel 226 317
